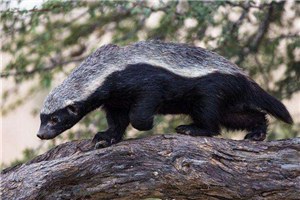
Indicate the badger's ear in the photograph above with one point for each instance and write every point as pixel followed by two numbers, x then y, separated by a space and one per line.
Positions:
pixel 72 110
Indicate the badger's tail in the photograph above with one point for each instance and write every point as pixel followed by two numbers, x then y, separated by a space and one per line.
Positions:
pixel 271 105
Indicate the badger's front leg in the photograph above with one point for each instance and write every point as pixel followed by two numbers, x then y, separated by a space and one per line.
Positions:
pixel 118 121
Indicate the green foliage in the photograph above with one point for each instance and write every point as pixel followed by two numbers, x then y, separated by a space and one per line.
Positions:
pixel 50 40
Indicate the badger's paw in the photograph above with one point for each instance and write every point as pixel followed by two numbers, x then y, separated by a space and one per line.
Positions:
pixel 184 129
pixel 256 136
pixel 194 130
pixel 102 140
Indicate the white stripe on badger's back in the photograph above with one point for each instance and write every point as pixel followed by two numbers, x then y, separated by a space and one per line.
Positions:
pixel 180 59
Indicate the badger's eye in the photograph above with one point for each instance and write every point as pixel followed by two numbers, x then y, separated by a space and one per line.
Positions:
pixel 53 120
pixel 72 110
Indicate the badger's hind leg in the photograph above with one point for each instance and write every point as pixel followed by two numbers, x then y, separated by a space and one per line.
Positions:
pixel 205 117
pixel 258 131
pixel 117 120
pixel 251 120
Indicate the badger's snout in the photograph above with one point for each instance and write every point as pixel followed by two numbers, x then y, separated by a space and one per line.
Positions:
pixel 45 134
pixel 42 135
pixel 39 135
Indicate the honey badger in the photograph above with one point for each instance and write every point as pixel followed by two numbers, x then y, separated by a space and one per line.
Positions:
pixel 133 83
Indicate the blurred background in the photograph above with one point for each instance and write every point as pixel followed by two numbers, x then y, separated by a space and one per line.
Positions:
pixel 43 41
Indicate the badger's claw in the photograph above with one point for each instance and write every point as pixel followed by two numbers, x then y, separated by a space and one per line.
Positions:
pixel 194 130
pixel 103 140
pixel 101 144
pixel 256 136
pixel 183 129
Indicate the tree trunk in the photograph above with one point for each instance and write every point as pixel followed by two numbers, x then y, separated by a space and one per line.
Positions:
pixel 160 166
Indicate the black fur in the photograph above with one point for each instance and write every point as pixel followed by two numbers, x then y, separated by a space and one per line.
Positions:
pixel 141 91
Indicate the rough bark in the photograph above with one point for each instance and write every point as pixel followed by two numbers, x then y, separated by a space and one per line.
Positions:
pixel 162 166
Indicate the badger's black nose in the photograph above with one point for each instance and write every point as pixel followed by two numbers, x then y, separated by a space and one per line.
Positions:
pixel 40 136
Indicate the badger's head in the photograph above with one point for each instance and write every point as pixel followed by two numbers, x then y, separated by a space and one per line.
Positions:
pixel 63 108
pixel 66 104
pixel 84 90
pixel 53 124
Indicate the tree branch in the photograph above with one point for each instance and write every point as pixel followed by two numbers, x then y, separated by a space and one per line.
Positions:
pixel 266 78
pixel 50 67
pixel 255 41
pixel 156 9
pixel 46 9
pixel 246 7
pixel 232 27
pixel 161 166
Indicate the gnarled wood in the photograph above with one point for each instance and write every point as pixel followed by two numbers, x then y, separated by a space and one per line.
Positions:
pixel 161 166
